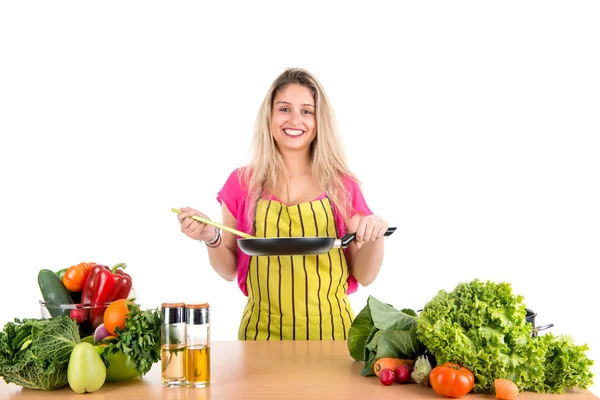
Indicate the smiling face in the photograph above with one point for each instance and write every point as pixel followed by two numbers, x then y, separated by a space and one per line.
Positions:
pixel 293 118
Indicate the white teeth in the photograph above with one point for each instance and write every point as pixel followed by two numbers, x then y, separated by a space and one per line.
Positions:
pixel 293 132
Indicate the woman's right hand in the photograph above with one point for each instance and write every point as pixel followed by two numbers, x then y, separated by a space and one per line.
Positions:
pixel 195 229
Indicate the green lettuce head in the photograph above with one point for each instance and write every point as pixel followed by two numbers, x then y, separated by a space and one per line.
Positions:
pixel 482 326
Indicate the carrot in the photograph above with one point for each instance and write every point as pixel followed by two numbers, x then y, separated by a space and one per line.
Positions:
pixel 391 363
pixel 506 390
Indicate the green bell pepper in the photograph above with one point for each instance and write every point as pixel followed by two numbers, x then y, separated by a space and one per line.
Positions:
pixel 86 371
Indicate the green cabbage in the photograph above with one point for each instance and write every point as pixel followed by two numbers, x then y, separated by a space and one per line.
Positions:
pixel 379 331
pixel 482 326
pixel 35 353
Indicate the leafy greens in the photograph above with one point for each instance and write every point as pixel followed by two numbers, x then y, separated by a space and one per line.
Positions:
pixel 482 326
pixel 139 341
pixel 379 331
pixel 566 364
pixel 34 353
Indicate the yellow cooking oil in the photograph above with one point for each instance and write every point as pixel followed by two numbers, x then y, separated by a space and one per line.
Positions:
pixel 173 365
pixel 198 366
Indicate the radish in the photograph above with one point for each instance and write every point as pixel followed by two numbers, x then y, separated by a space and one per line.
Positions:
pixel 78 314
pixel 100 333
pixel 402 373
pixel 387 376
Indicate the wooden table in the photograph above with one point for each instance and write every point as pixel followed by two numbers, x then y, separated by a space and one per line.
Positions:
pixel 307 370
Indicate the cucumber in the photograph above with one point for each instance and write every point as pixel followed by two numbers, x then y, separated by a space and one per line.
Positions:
pixel 53 292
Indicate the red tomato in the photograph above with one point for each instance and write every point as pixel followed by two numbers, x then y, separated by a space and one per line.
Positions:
pixel 76 275
pixel 451 380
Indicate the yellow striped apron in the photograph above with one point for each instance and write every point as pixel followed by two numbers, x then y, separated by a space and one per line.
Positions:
pixel 296 297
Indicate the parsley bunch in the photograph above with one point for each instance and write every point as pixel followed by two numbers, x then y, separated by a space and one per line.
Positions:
pixel 140 340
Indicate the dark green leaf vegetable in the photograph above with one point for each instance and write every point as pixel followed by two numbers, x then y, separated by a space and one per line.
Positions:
pixel 34 353
pixel 139 341
pixel 482 326
pixel 359 333
pixel 86 371
pixel 380 331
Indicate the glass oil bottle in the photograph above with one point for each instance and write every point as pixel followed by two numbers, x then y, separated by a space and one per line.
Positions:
pixel 197 345
pixel 173 344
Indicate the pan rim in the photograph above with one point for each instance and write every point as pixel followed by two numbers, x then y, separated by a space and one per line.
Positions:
pixel 288 237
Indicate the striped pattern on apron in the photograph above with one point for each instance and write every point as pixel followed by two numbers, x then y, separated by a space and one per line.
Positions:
pixel 296 297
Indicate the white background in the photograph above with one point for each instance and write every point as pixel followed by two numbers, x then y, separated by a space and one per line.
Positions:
pixel 473 127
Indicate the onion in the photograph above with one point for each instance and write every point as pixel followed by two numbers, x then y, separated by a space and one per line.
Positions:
pixel 100 333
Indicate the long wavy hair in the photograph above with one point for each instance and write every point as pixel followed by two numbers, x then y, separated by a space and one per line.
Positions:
pixel 266 171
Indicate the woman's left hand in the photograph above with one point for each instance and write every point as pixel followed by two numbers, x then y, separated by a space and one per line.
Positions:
pixel 370 228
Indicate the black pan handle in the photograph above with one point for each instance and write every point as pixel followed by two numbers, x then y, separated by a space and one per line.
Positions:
pixel 346 240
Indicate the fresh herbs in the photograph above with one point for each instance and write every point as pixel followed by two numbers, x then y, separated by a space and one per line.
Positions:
pixel 139 341
pixel 34 353
pixel 380 331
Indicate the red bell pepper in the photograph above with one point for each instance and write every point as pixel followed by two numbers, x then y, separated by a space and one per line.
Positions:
pixel 123 282
pixel 104 285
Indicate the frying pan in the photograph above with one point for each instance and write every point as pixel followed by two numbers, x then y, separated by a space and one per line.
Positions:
pixel 291 246
pixel 285 246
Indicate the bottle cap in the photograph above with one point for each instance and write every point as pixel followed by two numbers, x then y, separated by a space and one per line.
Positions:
pixel 173 305
pixel 197 314
pixel 197 305
pixel 172 313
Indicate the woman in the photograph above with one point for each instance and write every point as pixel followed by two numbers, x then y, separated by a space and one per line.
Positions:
pixel 296 184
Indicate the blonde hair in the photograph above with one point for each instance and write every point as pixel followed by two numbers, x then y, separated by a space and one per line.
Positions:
pixel 266 170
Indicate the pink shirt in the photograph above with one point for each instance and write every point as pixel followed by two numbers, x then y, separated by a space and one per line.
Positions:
pixel 234 196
